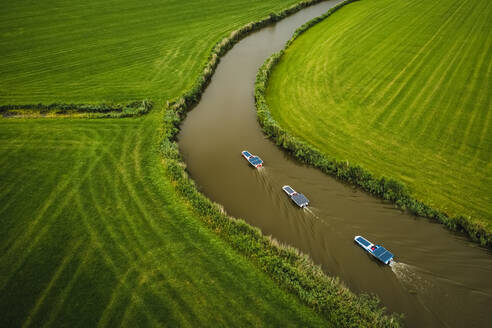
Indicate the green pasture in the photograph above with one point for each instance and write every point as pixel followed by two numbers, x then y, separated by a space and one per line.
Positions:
pixel 112 50
pixel 402 88
pixel 94 234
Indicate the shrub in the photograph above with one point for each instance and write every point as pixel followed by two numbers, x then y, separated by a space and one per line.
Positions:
pixel 290 269
pixel 385 188
pixel 136 108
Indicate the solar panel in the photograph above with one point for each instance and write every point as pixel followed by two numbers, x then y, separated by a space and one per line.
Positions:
pixel 300 199
pixel 386 256
pixel 363 241
pixel 379 251
pixel 289 190
pixel 383 254
pixel 255 160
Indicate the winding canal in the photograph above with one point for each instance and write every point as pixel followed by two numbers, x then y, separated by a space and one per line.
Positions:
pixel 440 278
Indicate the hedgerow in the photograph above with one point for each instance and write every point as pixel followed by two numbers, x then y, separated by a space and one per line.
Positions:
pixel 382 187
pixel 135 108
pixel 287 266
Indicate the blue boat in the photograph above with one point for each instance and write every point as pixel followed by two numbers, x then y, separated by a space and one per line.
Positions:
pixel 298 198
pixel 252 159
pixel 378 251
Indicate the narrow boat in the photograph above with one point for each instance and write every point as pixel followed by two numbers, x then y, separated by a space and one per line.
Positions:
pixel 298 198
pixel 252 159
pixel 378 251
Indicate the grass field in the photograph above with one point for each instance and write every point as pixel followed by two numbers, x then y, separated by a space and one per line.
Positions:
pixel 93 232
pixel 402 88
pixel 112 51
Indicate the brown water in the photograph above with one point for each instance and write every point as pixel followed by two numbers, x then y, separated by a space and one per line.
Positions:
pixel 440 279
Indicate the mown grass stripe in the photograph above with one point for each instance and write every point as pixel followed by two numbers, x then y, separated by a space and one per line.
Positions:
pixel 418 115
pixel 67 290
pixel 391 90
pixel 445 66
pixel 380 66
pixel 69 256
pixel 109 50
pixel 153 217
pixel 107 257
pixel 30 235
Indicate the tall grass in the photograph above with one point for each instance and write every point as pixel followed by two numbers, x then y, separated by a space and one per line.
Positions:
pixel 135 108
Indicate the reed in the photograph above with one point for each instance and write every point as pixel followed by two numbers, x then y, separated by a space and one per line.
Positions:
pixel 292 270
pixel 387 188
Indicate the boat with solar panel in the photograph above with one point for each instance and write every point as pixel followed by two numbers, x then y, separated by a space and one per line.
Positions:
pixel 298 198
pixel 255 161
pixel 378 251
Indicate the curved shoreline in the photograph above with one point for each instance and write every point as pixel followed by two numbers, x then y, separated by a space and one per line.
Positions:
pixel 225 122
pixel 292 270
pixel 382 187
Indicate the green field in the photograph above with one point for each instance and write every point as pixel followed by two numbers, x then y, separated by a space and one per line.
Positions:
pixel 93 232
pixel 402 88
pixel 112 51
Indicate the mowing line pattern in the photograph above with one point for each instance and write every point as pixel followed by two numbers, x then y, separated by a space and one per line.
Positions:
pixel 93 233
pixel 112 244
pixel 410 100
pixel 112 51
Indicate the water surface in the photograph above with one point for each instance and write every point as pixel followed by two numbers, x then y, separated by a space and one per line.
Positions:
pixel 440 278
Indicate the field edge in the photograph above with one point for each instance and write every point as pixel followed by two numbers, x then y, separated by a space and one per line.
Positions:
pixel 382 187
pixel 286 265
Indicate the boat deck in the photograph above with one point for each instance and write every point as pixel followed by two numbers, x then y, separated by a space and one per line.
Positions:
pixel 298 198
pixel 378 251
pixel 252 159
pixel 255 161
pixel 383 254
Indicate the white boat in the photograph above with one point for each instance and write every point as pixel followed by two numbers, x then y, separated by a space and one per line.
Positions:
pixel 255 161
pixel 296 197
pixel 378 251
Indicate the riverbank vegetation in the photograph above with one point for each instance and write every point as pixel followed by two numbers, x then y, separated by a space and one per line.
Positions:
pixel 400 109
pixel 94 233
pixel 100 224
pixel 135 108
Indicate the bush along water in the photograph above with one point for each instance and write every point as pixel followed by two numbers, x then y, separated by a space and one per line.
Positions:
pixel 383 187
pixel 135 108
pixel 292 270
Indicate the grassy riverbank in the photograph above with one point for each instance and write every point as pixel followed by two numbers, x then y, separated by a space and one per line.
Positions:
pixel 98 227
pixel 410 101
pixel 93 233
